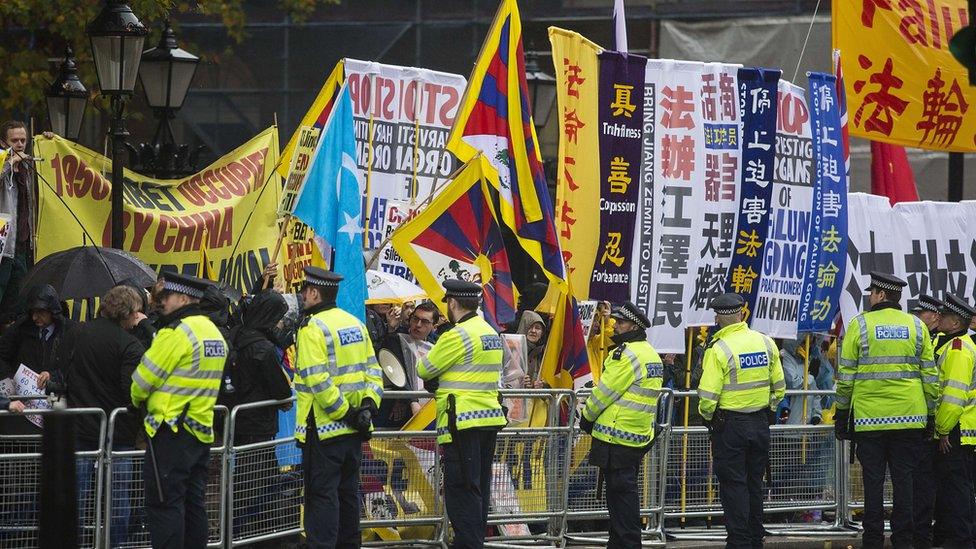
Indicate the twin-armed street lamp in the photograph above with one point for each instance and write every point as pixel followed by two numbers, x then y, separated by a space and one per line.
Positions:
pixel 117 37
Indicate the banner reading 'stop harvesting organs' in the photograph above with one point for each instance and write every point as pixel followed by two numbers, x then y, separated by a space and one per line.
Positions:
pixel 165 221
pixel 402 118
pixel 903 85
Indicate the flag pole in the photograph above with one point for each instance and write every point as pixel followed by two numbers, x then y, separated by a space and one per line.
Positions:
pixel 425 203
pixel 285 222
pixel 367 206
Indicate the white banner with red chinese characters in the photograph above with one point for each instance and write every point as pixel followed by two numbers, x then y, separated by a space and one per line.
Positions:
pixel 930 245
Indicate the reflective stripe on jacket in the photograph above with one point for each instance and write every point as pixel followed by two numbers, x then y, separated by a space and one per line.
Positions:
pixel 182 370
pixel 623 406
pixel 957 403
pixel 467 362
pixel 741 372
pixel 335 368
pixel 886 371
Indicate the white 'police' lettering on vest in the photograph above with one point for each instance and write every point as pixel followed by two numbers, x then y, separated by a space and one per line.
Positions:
pixel 491 343
pixel 350 335
pixel 214 348
pixel 891 332
pixel 753 360
pixel 655 369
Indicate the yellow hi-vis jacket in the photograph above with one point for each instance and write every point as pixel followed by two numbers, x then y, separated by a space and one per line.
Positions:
pixel 741 372
pixel 886 371
pixel 957 405
pixel 182 369
pixel 335 368
pixel 623 406
pixel 467 362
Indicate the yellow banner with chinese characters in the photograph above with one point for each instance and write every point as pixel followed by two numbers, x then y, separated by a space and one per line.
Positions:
pixel 232 203
pixel 578 187
pixel 902 84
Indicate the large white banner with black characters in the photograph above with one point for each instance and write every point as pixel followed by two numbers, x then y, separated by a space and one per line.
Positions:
pixel 931 245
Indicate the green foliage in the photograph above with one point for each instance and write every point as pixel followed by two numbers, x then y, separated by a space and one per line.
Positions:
pixel 34 32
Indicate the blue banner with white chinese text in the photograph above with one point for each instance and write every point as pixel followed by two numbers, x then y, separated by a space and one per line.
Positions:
pixel 827 244
pixel 758 106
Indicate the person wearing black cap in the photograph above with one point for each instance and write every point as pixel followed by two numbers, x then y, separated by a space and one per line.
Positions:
pixel 339 385
pixel 178 380
pixel 463 370
pixel 927 309
pixel 887 387
pixel 955 426
pixel 742 384
pixel 620 415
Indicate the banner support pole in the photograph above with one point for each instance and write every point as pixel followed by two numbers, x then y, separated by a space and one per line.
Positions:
pixel 285 223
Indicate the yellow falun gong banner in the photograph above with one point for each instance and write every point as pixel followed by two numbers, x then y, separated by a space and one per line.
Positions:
pixel 902 84
pixel 165 221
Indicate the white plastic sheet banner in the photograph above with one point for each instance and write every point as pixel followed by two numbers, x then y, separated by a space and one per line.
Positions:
pixel 930 245
pixel 406 113
pixel 784 263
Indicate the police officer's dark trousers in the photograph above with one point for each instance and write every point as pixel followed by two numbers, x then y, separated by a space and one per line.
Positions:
pixel 331 490
pixel 923 504
pixel 618 465
pixel 898 451
pixel 180 520
pixel 954 503
pixel 467 485
pixel 740 449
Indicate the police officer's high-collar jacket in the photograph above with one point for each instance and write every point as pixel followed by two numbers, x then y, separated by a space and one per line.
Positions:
pixel 886 371
pixel 623 406
pixel 466 361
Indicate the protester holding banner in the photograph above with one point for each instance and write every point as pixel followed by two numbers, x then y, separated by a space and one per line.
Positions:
pixel 16 210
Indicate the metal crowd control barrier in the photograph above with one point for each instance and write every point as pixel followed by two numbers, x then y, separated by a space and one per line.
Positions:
pixel 586 505
pixel 544 490
pixel 20 471
pixel 804 465
pixel 125 495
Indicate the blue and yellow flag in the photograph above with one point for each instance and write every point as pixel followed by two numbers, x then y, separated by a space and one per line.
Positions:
pixel 496 119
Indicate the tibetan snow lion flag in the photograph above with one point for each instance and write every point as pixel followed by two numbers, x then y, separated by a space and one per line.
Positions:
pixel 495 118
pixel 458 237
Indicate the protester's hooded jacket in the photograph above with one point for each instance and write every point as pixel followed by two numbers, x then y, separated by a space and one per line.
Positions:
pixel 22 343
pixel 256 372
pixel 535 350
pixel 99 357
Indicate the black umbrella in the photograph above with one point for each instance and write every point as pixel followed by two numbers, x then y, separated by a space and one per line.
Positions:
pixel 88 271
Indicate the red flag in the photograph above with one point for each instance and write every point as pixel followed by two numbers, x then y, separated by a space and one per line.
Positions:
pixel 891 174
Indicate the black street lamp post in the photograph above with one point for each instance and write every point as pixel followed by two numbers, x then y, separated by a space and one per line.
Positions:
pixel 166 73
pixel 117 38
pixel 66 99
pixel 542 91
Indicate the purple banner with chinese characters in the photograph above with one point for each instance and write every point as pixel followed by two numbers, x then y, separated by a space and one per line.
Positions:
pixel 758 106
pixel 827 244
pixel 621 117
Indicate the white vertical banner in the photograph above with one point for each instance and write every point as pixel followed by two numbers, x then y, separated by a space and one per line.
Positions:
pixel 722 146
pixel 785 250
pixel 406 114
pixel 679 192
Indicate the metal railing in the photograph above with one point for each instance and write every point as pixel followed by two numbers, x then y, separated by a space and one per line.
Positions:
pixel 543 487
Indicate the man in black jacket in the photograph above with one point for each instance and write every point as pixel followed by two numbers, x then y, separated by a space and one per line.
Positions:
pixel 33 340
pixel 257 375
pixel 98 358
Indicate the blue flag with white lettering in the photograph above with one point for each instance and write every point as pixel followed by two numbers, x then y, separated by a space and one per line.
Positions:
pixel 330 202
